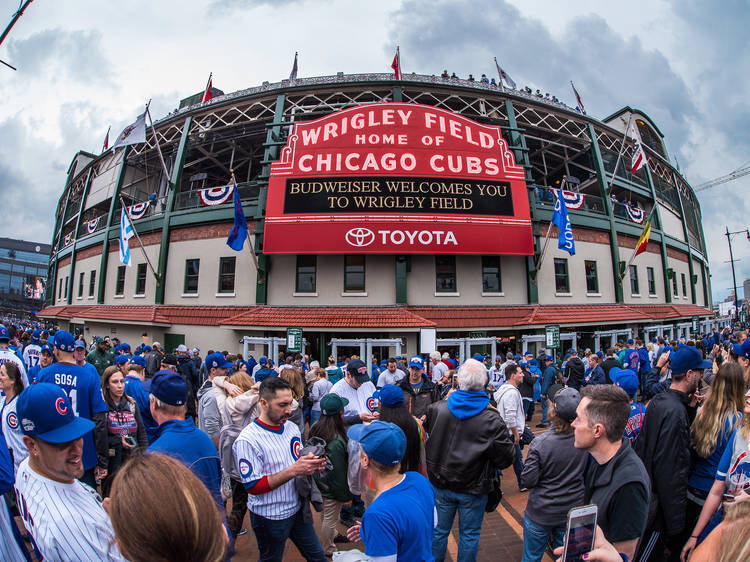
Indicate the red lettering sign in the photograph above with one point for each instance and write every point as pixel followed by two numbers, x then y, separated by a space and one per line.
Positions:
pixel 396 178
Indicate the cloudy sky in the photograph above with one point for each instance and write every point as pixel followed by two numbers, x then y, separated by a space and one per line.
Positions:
pixel 84 65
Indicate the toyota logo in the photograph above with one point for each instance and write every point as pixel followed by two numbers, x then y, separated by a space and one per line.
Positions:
pixel 360 237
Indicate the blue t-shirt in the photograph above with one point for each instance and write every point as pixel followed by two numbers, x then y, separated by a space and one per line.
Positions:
pixel 85 392
pixel 704 470
pixel 735 473
pixel 400 521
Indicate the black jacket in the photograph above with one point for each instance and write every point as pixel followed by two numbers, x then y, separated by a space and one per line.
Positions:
pixel 458 451
pixel 574 371
pixel 664 447
pixel 607 364
pixel 417 403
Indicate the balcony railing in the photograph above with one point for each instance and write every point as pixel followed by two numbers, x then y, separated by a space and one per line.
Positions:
pixel 191 199
pixel 591 203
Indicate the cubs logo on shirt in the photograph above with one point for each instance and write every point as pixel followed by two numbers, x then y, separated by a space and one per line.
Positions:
pixel 12 420
pixel 246 469
pixel 60 406
pixel 372 404
pixel 296 447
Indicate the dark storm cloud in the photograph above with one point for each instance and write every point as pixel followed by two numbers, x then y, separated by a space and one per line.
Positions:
pixel 55 53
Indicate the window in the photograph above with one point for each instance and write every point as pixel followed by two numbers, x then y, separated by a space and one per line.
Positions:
pixel 445 274
pixel 80 285
pixel 192 267
pixel 684 285
pixel 226 274
pixel 59 290
pixel 354 274
pixel 305 280
pixel 592 279
pixel 491 281
pixel 140 279
pixel 651 280
pixel 674 283
pixel 634 280
pixel 92 282
pixel 67 281
pixel 120 283
pixel 562 284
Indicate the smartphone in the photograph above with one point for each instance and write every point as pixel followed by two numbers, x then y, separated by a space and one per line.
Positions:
pixel 455 381
pixel 579 533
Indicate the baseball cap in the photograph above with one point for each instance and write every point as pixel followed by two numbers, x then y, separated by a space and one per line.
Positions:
pixel 263 360
pixel 122 359
pixel 549 358
pixel 124 346
pixel 46 348
pixel 687 359
pixel 742 350
pixel 145 349
pixel 528 353
pixel 573 352
pixel 80 344
pixel 332 404
pixel 35 336
pixel 46 413
pixel 390 395
pixel 418 362
pixel 628 381
pixel 566 401
pixel 478 357
pixel 156 344
pixel 630 341
pixel 99 339
pixel 358 370
pixel 182 348
pixel 138 360
pixel 217 361
pixel 383 442
pixel 167 386
pixel 553 390
pixel 170 359
pixel 4 334
pixel 64 341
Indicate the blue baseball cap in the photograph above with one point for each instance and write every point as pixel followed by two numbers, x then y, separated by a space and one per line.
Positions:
pixel 630 341
pixel 80 344
pixel 686 359
pixel 4 334
pixel 46 348
pixel 138 360
pixel 478 357
pixel 217 361
pixel 390 395
pixel 124 346
pixel 742 350
pixel 528 353
pixel 549 358
pixel 167 386
pixel 263 360
pixel 35 335
pixel 122 359
pixel 628 381
pixel 417 362
pixel 64 341
pixel 572 352
pixel 46 413
pixel 383 442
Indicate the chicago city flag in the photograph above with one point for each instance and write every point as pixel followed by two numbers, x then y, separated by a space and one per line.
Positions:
pixel 126 233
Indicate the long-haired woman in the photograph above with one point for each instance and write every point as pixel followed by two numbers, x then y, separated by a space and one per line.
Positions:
pixel 12 385
pixel 392 410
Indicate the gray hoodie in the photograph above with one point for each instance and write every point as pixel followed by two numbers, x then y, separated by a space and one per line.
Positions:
pixel 209 419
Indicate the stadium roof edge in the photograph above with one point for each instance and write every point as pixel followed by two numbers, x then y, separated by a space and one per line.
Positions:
pixel 627 108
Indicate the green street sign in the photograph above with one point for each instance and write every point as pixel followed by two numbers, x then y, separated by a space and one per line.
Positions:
pixel 552 334
pixel 294 340
pixel 695 324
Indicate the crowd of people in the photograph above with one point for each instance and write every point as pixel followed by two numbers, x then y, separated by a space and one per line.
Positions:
pixel 111 453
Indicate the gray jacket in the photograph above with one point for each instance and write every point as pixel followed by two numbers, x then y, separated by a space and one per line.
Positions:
pixel 554 473
pixel 209 418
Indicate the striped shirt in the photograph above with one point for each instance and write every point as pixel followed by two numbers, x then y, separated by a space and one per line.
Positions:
pixel 12 431
pixel 31 355
pixel 261 450
pixel 360 399
pixel 66 521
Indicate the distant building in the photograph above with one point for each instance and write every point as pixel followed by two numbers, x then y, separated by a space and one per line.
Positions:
pixel 23 274
pixel 746 289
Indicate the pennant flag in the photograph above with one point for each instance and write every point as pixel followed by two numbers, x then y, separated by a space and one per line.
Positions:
pixel 639 158
pixel 236 238
pixel 68 238
pixel 396 64
pixel 640 247
pixel 636 215
pixel 132 134
pixel 91 225
pixel 126 233
pixel 561 219
pixel 293 74
pixel 504 76
pixel 572 199
pixel 215 195
pixel 138 210
pixel 207 94
pixel 106 140
pixel 578 97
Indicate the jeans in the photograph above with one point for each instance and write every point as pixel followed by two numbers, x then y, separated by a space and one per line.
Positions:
pixel 272 535
pixel 239 507
pixel 470 515
pixel 314 416
pixel 545 407
pixel 536 537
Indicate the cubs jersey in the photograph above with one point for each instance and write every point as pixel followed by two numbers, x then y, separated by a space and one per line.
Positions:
pixel 64 521
pixel 360 399
pixel 261 450
pixel 6 355
pixel 12 431
pixel 31 355
pixel 85 393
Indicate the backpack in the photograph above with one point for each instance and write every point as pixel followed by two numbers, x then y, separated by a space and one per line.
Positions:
pixel 227 436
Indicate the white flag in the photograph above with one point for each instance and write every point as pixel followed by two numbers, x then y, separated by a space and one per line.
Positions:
pixel 126 233
pixel 639 158
pixel 504 76
pixel 133 133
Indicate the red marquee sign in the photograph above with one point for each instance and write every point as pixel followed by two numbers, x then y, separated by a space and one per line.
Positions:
pixel 396 178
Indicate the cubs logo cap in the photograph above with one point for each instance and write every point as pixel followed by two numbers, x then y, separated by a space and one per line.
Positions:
pixel 35 335
pixel 390 396
pixel 263 361
pixel 168 387
pixel 80 344
pixel 358 370
pixel 742 350
pixel 64 341
pixel 138 360
pixel 383 442
pixel 122 359
pixel 217 361
pixel 4 334
pixel 332 404
pixel 687 359
pixel 417 362
pixel 46 413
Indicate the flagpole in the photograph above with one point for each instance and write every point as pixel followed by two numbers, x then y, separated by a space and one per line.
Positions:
pixel 156 142
pixel 210 74
pixel 549 228
pixel 127 213
pixel 106 140
pixel 247 232
pixel 499 76
pixel 619 156
pixel 398 56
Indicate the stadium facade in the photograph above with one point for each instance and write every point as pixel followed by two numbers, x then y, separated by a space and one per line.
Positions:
pixel 382 214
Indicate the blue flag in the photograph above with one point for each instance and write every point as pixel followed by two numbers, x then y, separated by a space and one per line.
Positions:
pixel 236 238
pixel 561 219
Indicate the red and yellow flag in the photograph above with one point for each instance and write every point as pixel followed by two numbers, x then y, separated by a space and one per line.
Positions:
pixel 640 247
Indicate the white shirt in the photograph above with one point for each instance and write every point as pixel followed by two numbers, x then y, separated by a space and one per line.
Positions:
pixel 6 355
pixel 510 406
pixel 261 451
pixel 67 521
pixel 438 370
pixel 11 430
pixel 31 355
pixel 360 399
pixel 386 377
pixel 497 377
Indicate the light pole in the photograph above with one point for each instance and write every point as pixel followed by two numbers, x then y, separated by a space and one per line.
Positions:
pixel 731 260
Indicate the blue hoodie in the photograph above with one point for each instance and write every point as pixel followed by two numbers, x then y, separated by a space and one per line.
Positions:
pixel 465 404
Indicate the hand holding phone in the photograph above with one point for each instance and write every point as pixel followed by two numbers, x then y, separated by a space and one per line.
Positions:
pixel 580 533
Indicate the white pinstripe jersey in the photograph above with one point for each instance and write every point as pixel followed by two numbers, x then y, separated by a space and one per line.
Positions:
pixel 7 355
pixel 360 399
pixel 10 550
pixel 66 521
pixel 11 430
pixel 31 355
pixel 261 451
